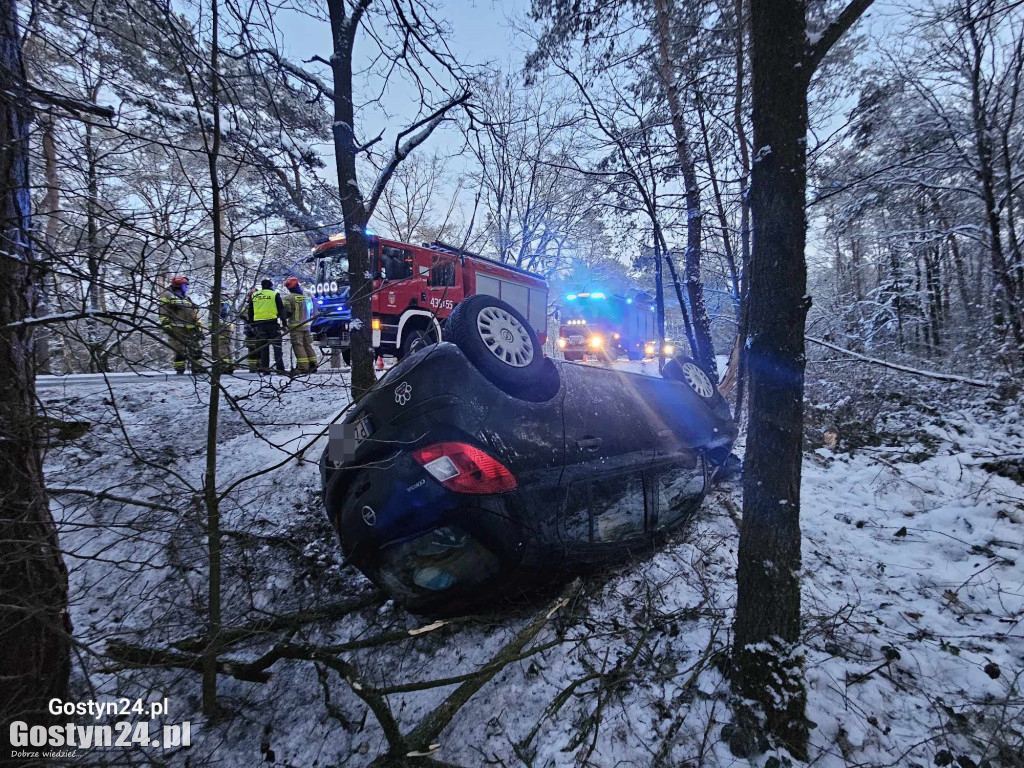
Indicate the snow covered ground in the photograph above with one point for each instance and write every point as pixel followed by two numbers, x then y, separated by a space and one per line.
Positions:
pixel 913 597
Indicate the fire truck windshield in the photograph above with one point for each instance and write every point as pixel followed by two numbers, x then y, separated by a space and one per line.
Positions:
pixel 592 310
pixel 333 266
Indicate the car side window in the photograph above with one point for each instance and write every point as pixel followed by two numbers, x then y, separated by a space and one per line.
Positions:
pixel 679 489
pixel 606 510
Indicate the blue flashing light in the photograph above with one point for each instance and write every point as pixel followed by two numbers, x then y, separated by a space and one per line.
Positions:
pixel 652 307
pixel 597 296
pixel 571 297
pixel 629 301
pixel 370 232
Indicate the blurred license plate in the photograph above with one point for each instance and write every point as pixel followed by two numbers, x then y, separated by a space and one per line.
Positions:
pixel 575 340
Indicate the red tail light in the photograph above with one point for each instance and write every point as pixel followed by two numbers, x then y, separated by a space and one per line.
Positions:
pixel 465 469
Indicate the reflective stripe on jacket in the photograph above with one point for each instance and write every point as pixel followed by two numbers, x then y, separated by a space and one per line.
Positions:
pixel 264 305
pixel 300 309
pixel 178 311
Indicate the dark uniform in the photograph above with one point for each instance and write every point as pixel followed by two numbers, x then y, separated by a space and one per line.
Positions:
pixel 179 318
pixel 266 314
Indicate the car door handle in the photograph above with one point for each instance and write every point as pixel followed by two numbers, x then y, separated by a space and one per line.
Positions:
pixel 589 443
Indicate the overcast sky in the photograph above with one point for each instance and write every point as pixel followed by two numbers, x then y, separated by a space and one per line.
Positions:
pixel 481 32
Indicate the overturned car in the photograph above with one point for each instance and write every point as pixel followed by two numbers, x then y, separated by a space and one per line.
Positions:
pixel 479 466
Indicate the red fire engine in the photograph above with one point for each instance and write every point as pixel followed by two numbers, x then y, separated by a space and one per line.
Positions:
pixel 415 289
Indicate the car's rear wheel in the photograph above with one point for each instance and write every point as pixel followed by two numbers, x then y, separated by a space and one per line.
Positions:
pixel 686 370
pixel 498 340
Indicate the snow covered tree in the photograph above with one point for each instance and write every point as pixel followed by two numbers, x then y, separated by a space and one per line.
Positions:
pixel 35 629
pixel 766 662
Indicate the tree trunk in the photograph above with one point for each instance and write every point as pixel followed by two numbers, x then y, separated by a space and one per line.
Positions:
pixel 767 668
pixel 353 206
pixel 35 628
pixel 704 351
pixel 93 291
pixel 210 497
pixel 1005 307
pixel 48 282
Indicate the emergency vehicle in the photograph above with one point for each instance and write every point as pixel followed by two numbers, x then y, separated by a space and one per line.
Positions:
pixel 607 326
pixel 415 288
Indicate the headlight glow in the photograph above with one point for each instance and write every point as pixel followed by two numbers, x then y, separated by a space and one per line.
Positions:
pixel 596 342
pixel 669 349
pixel 562 343
pixel 649 350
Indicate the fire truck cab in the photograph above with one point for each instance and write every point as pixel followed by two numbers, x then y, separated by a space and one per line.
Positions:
pixel 606 326
pixel 415 288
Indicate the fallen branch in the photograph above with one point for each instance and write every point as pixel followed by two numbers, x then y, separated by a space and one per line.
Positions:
pixel 104 496
pixel 288 621
pixel 903 368
pixel 422 737
pixel 127 655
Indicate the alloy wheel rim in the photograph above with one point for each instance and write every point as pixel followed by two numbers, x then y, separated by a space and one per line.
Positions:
pixel 505 337
pixel 698 380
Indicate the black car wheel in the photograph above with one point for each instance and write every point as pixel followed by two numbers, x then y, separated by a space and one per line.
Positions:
pixel 498 340
pixel 414 341
pixel 687 371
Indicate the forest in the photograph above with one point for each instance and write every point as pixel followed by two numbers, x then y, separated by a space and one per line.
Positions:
pixel 820 199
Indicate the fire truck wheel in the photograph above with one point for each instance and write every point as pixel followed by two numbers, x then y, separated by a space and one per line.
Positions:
pixel 414 341
pixel 499 341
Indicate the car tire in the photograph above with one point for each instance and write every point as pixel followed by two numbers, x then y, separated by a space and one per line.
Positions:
pixel 686 370
pixel 498 341
pixel 414 341
pixel 346 355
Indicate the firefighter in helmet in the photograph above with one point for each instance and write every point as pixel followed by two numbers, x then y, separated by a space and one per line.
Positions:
pixel 179 318
pixel 300 315
pixel 221 345
pixel 266 315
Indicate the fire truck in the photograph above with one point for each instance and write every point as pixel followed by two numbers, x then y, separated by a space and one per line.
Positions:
pixel 607 326
pixel 415 288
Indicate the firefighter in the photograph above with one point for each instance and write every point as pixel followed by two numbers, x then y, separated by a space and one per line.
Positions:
pixel 300 315
pixel 179 318
pixel 266 313
pixel 221 346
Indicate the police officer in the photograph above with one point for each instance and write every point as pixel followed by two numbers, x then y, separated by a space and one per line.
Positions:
pixel 300 315
pixel 179 318
pixel 266 314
